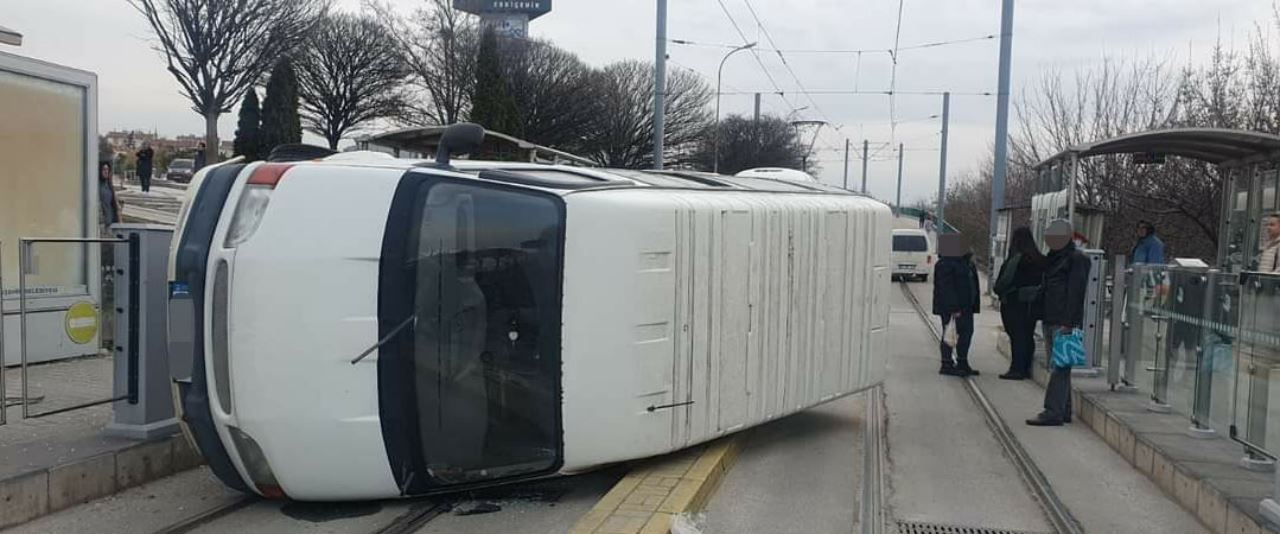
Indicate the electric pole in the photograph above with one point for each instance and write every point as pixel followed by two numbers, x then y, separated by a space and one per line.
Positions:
pixel 846 162
pixel 864 166
pixel 660 85
pixel 897 204
pixel 1002 120
pixel 757 107
pixel 942 163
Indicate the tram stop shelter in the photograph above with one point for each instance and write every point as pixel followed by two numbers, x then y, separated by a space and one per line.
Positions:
pixel 1201 340
pixel 423 142
pixel 1247 161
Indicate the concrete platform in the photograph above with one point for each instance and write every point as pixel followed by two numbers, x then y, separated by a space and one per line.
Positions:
pixel 1102 491
pixel 54 462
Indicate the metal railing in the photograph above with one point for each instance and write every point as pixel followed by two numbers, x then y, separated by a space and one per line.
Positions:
pixel 1209 342
pixel 24 261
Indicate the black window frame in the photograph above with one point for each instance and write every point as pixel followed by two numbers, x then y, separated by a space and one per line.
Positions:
pixel 397 399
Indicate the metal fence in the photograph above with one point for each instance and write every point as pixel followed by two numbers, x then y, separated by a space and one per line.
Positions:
pixel 1201 343
pixel 130 250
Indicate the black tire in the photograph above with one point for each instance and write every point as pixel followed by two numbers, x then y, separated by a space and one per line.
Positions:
pixel 924 278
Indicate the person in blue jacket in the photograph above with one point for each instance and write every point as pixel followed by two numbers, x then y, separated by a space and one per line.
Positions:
pixel 1149 249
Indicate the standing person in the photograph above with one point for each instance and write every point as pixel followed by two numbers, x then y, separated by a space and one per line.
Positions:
pixel 199 164
pixel 955 299
pixel 145 157
pixel 1269 258
pixel 1149 248
pixel 924 215
pixel 1018 286
pixel 1063 289
pixel 929 225
pixel 108 205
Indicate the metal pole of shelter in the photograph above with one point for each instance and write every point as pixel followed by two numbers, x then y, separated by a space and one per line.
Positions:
pixel 660 85
pixel 1072 176
pixel 1002 119
pixel 864 165
pixel 846 163
pixel 942 163
pixel 897 204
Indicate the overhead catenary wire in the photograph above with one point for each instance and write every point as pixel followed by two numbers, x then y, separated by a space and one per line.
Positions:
pixel 777 88
pixel 851 51
pixel 800 85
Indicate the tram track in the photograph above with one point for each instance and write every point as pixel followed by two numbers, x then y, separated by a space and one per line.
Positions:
pixel 415 517
pixel 1054 510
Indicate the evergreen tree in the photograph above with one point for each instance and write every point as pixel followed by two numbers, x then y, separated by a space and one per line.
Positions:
pixel 280 122
pixel 492 106
pixel 247 142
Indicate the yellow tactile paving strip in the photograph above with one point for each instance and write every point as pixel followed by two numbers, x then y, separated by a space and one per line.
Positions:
pixel 648 498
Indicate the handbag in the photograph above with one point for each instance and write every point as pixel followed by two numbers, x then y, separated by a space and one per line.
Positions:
pixel 1068 349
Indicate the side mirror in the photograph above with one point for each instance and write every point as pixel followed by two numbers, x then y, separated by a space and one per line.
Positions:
pixel 461 138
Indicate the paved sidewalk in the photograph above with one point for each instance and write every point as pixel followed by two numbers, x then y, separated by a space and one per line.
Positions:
pixel 1100 488
pixel 31 444
pixel 52 462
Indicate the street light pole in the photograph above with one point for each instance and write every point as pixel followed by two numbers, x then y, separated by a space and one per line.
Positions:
pixel 715 165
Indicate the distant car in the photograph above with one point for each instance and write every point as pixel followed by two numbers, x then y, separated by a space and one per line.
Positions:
pixel 180 170
pixel 778 173
pixel 912 254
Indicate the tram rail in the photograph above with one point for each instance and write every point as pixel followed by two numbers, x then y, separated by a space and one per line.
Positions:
pixel 1055 511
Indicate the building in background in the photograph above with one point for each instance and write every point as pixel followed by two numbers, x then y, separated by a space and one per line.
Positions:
pixel 509 17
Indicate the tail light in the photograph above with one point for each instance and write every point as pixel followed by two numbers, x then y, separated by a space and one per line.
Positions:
pixel 928 259
pixel 253 202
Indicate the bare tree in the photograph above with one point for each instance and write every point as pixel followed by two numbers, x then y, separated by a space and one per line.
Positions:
pixel 349 73
pixel 217 49
pixel 624 133
pixel 439 44
pixel 555 93
pixel 746 143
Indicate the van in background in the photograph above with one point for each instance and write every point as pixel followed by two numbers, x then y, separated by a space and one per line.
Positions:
pixel 912 254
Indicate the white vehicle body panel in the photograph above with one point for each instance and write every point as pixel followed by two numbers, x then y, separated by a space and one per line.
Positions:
pixel 687 315
pixel 733 308
pixel 303 305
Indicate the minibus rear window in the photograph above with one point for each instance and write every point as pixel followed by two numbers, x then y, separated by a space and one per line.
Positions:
pixel 910 243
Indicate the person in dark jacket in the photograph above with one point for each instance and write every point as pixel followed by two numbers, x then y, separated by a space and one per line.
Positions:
pixel 955 298
pixel 1018 286
pixel 145 157
pixel 1065 279
pixel 200 158
pixel 108 205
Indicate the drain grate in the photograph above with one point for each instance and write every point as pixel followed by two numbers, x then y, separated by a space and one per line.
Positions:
pixel 912 527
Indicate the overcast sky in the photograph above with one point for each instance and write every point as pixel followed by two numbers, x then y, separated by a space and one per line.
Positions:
pixel 111 39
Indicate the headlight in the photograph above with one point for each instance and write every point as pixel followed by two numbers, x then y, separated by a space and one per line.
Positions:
pixel 255 464
pixel 249 212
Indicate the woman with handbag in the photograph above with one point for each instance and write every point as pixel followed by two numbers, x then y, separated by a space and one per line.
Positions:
pixel 1018 286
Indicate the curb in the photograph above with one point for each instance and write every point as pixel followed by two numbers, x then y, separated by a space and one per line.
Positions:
pixel 41 492
pixel 648 499
pixel 1207 503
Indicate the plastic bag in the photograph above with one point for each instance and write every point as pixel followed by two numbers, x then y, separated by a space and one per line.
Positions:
pixel 950 335
pixel 1068 349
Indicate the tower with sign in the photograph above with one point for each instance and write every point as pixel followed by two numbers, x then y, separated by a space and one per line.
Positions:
pixel 510 18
